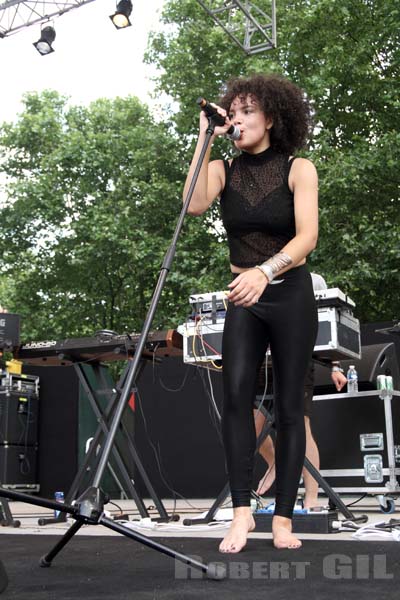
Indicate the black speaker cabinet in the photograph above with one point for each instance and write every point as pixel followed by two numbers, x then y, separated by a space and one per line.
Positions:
pixel 58 428
pixel 18 465
pixel 66 426
pixel 18 418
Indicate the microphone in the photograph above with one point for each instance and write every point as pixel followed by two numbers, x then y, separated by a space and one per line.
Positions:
pixel 233 132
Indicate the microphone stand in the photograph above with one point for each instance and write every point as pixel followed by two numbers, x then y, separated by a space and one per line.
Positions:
pixel 89 507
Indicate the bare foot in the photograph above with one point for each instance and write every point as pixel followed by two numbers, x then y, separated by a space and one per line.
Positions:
pixel 266 481
pixel 282 533
pixel 236 538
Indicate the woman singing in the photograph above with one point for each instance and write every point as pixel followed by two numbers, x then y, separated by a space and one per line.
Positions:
pixel 269 207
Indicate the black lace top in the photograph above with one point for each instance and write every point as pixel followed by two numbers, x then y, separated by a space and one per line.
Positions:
pixel 257 206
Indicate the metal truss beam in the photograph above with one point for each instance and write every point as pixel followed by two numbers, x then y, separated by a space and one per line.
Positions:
pixel 17 14
pixel 250 27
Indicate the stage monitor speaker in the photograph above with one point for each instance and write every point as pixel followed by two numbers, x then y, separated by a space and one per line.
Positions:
pixel 376 359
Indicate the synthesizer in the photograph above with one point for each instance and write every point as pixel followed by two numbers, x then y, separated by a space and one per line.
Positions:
pixel 100 347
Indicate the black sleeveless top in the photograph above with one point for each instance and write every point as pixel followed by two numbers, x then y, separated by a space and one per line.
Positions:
pixel 257 206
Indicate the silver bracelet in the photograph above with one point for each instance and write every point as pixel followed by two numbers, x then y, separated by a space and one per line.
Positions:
pixel 267 270
pixel 276 263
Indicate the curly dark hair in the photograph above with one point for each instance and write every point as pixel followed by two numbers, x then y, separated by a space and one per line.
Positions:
pixel 279 99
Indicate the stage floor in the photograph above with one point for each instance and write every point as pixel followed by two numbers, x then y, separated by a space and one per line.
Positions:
pixel 103 564
pixel 28 515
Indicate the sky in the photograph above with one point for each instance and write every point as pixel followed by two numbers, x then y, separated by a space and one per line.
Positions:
pixel 91 58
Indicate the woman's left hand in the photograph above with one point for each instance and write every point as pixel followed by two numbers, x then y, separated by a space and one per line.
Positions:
pixel 247 288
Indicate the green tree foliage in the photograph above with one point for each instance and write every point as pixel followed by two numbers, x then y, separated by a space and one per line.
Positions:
pixel 346 55
pixel 92 199
pixel 92 194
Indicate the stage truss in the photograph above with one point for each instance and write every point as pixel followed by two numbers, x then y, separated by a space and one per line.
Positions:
pixel 250 27
pixel 18 14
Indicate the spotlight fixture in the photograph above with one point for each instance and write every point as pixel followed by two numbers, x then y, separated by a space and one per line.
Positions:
pixel 47 37
pixel 121 16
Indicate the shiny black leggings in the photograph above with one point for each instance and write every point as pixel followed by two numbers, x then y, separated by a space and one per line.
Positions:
pixel 285 318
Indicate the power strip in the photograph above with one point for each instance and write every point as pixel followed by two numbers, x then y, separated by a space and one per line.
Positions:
pixel 318 522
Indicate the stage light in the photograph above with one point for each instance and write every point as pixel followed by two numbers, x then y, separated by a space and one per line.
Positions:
pixel 47 37
pixel 121 16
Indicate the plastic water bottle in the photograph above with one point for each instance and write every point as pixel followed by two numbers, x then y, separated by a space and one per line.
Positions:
pixel 352 380
pixel 59 497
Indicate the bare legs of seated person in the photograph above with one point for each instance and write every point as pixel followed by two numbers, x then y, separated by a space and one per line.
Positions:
pixel 267 451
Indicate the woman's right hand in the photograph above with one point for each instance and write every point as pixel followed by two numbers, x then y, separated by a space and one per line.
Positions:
pixel 219 129
pixel 246 288
pixel 211 178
